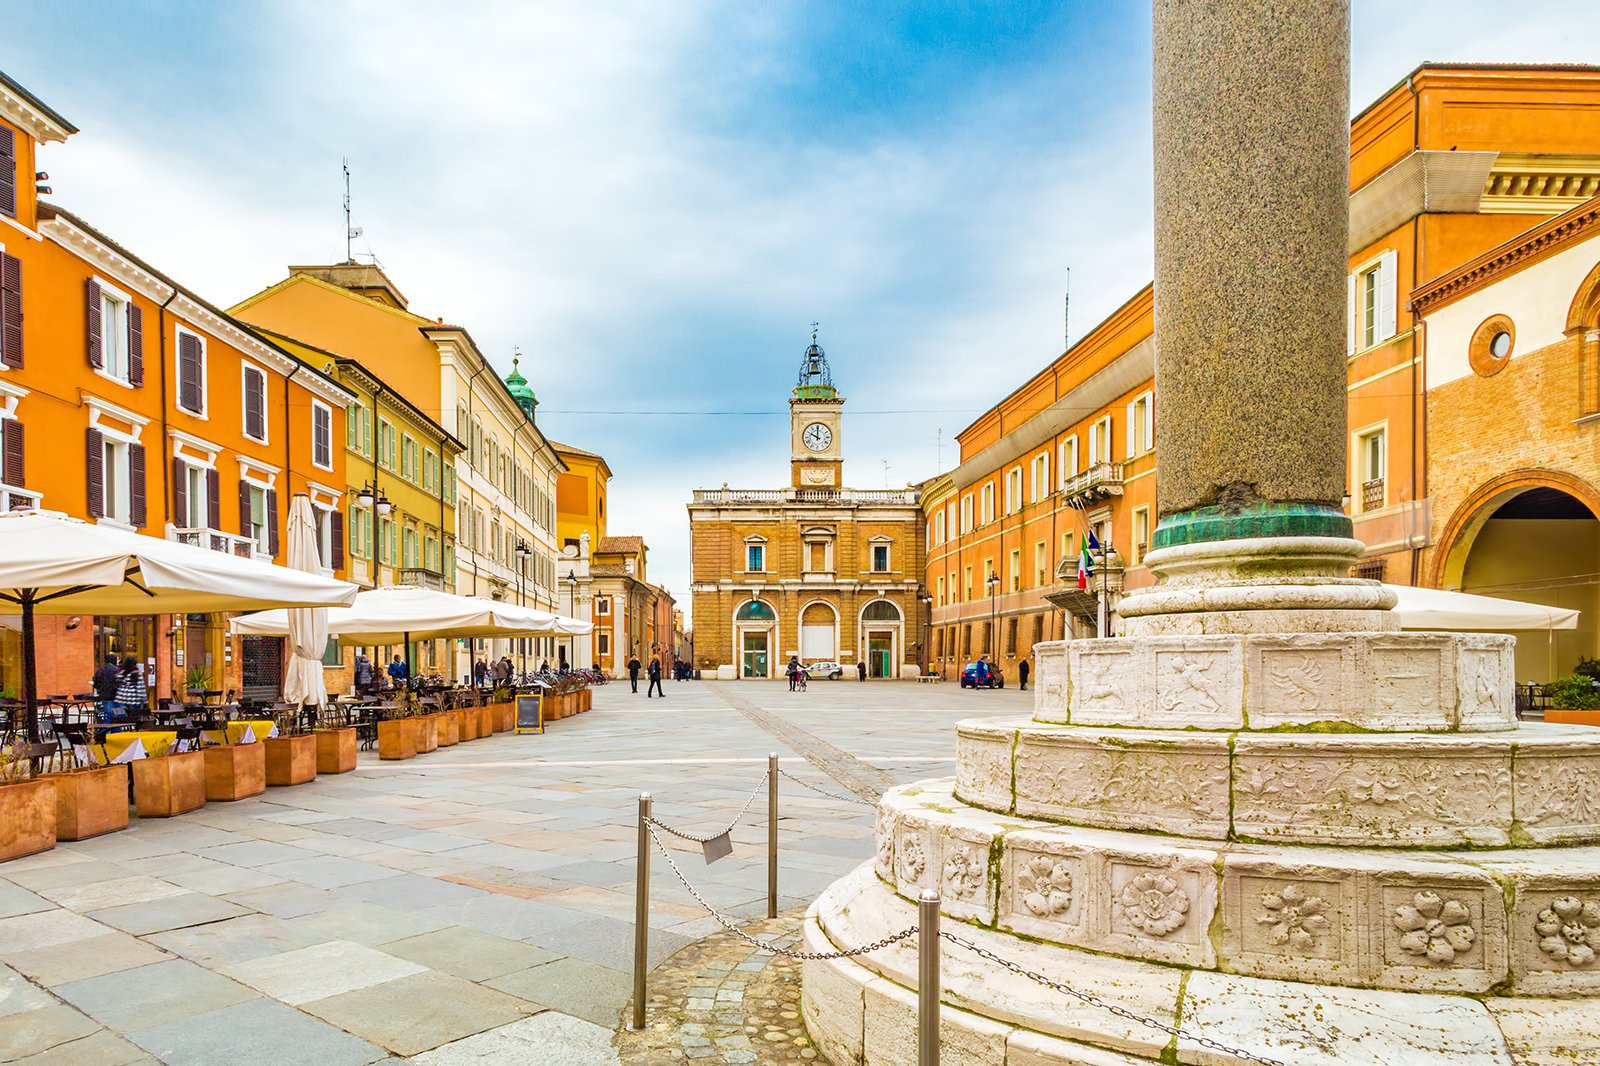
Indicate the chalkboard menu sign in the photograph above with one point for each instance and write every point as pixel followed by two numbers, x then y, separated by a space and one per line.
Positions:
pixel 530 714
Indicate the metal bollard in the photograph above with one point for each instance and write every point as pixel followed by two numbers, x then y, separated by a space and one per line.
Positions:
pixel 928 978
pixel 772 835
pixel 641 912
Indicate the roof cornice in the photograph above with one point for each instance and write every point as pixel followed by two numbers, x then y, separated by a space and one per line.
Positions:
pixel 1540 242
pixel 21 108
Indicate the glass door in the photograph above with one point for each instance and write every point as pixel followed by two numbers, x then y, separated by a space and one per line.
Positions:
pixel 755 654
pixel 879 649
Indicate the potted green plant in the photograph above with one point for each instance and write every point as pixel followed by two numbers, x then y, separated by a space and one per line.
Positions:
pixel 502 709
pixel 1574 700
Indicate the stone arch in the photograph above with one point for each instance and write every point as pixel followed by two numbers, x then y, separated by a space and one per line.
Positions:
pixel 1468 519
pixel 819 631
pixel 1585 310
pixel 881 611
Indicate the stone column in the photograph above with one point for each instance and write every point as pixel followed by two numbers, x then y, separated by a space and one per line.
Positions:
pixel 1252 151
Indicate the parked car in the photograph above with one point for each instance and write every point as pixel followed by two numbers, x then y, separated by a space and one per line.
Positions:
pixel 982 675
pixel 830 670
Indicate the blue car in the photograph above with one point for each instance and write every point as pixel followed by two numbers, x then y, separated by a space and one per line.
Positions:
pixel 982 675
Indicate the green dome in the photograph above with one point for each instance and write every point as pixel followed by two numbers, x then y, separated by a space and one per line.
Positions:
pixel 517 385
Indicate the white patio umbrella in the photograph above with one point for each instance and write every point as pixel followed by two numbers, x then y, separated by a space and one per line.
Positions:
pixel 1421 608
pixel 400 614
pixel 51 563
pixel 308 626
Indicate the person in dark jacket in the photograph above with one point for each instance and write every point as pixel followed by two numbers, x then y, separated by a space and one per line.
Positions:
pixel 655 679
pixel 105 686
pixel 130 688
pixel 861 669
pixel 633 673
pixel 398 672
pixel 1022 675
pixel 364 685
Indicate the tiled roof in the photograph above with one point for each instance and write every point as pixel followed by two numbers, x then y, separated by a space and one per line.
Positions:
pixel 626 545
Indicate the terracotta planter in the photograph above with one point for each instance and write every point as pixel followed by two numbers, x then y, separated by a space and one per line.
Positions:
pixel 27 818
pixel 469 723
pixel 485 720
pixel 234 771
pixel 1572 717
pixel 427 733
pixel 585 699
pixel 291 760
pixel 336 750
pixel 397 739
pixel 90 802
pixel 502 716
pixel 449 728
pixel 169 784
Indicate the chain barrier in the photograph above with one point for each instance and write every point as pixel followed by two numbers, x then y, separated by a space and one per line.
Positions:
pixel 823 791
pixel 732 927
pixel 721 832
pixel 1096 1001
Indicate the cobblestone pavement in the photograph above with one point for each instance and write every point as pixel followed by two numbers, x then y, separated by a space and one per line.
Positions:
pixel 471 905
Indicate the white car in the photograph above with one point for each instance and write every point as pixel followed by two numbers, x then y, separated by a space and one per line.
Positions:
pixel 830 670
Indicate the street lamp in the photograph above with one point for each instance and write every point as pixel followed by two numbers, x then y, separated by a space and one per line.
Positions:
pixel 994 636
pixel 523 551
pixel 572 612
pixel 372 497
pixel 925 601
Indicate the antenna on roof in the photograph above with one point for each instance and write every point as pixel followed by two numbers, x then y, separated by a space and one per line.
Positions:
pixel 1066 314
pixel 350 232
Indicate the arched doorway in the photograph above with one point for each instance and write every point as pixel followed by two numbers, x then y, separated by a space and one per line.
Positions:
pixel 755 636
pixel 1534 537
pixel 881 638
pixel 819 632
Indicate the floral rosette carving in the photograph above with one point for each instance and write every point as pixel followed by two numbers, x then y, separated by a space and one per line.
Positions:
pixel 913 859
pixel 885 844
pixel 963 873
pixel 1435 928
pixel 1569 930
pixel 1045 886
pixel 1293 917
pixel 1153 903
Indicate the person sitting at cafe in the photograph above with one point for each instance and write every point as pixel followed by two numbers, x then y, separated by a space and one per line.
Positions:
pixel 398 672
pixel 130 688
pixel 105 686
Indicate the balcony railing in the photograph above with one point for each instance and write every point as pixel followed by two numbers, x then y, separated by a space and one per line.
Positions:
pixel 1372 495
pixel 805 495
pixel 18 499
pixel 218 541
pixel 422 577
pixel 1097 482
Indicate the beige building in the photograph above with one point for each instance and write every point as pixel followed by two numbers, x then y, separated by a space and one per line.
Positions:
pixel 815 570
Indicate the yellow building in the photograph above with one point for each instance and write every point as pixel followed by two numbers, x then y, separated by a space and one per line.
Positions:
pixel 814 570
pixel 580 525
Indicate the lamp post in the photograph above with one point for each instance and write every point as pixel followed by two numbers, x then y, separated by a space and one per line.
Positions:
pixel 994 636
pixel 572 612
pixel 371 498
pixel 925 601
pixel 523 551
pixel 1101 619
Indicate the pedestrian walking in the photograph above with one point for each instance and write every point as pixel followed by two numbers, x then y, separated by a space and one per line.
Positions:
pixel 130 688
pixel 633 673
pixel 1022 675
pixel 793 670
pixel 655 679
pixel 363 674
pixel 861 669
pixel 480 673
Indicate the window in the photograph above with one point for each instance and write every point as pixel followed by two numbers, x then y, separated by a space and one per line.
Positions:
pixel 754 557
pixel 1014 490
pixel 756 611
pixel 408 457
pixel 1370 303
pixel 1100 441
pixel 255 403
pixel 966 513
pixel 116 480
pixel 1141 426
pixel 1011 636
pixel 880 558
pixel 940 600
pixel 1041 476
pixel 191 372
pixel 324 519
pixel 938 527
pixel 450 485
pixel 1067 463
pixel 385 533
pixel 116 334
pixel 602 605
pixel 258 518
pixel 1141 534
pixel 321 435
pixel 192 490
pixel 968 582
pixel 1016 569
pixel 1370 460
pixel 1041 564
pixel 8 172
pixel 385 444
pixel 1066 548
pixel 408 547
pixel 475 445
pixel 430 470
pixel 988 505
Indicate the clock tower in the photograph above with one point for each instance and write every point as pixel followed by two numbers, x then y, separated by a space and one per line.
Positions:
pixel 816 456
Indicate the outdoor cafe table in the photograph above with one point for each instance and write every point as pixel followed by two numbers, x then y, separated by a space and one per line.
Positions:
pixel 233 732
pixel 157 741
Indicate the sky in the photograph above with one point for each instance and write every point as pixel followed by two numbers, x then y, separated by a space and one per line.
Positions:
pixel 654 201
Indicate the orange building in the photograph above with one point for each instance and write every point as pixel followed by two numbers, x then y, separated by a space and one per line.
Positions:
pixel 129 400
pixel 1449 163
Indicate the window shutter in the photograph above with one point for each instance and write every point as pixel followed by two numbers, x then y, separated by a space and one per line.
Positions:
pixel 96 457
pixel 10 310
pixel 1133 445
pixel 244 508
pixel 180 494
pixel 1350 315
pixel 137 512
pixel 135 344
pixel 254 386
pixel 1149 420
pixel 189 373
pixel 214 499
pixel 12 470
pixel 92 306
pixel 1388 281
pixel 272 522
pixel 1094 445
pixel 8 172
pixel 336 534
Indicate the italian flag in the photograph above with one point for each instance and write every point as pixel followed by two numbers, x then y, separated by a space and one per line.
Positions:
pixel 1085 568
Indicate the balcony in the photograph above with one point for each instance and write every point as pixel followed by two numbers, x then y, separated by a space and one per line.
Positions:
pixel 1372 495
pixel 1084 603
pixel 1096 483
pixel 898 497
pixel 19 499
pixel 422 577
pixel 218 541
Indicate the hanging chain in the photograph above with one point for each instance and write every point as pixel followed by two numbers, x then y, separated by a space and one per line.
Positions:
pixel 732 927
pixel 823 791
pixel 721 832
pixel 1096 1001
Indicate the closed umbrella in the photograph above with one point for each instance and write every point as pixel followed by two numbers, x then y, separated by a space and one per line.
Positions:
pixel 308 626
pixel 51 563
pixel 1420 608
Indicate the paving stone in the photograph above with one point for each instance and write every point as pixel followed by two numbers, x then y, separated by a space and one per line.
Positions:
pixel 77 960
pixel 249 936
pixel 607 941
pixel 417 1013
pixel 323 970
pixel 366 923
pixel 573 986
pixel 101 1048
pixel 45 929
pixel 330 871
pixel 550 1039
pixel 33 1032
pixel 172 912
pixel 257 853
pixel 152 995
pixel 18 994
pixel 98 895
pixel 15 900
pixel 468 953
pixel 275 1035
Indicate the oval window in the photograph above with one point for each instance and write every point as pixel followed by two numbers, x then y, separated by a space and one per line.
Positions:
pixel 1500 345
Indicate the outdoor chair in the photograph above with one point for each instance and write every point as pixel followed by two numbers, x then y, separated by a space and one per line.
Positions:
pixel 188 739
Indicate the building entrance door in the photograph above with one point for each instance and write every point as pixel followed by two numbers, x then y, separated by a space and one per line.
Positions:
pixel 755 655
pixel 880 650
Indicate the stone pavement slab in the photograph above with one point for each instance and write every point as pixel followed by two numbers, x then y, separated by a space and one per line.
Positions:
pixel 249 936
pixel 151 995
pixel 80 959
pixel 323 970
pixel 102 1048
pixel 583 989
pixel 171 912
pixel 275 1035
pixel 549 1039
pixel 468 953
pixel 420 1012
pixel 32 1032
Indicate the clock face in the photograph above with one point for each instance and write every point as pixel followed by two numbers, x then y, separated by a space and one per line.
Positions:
pixel 817 436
